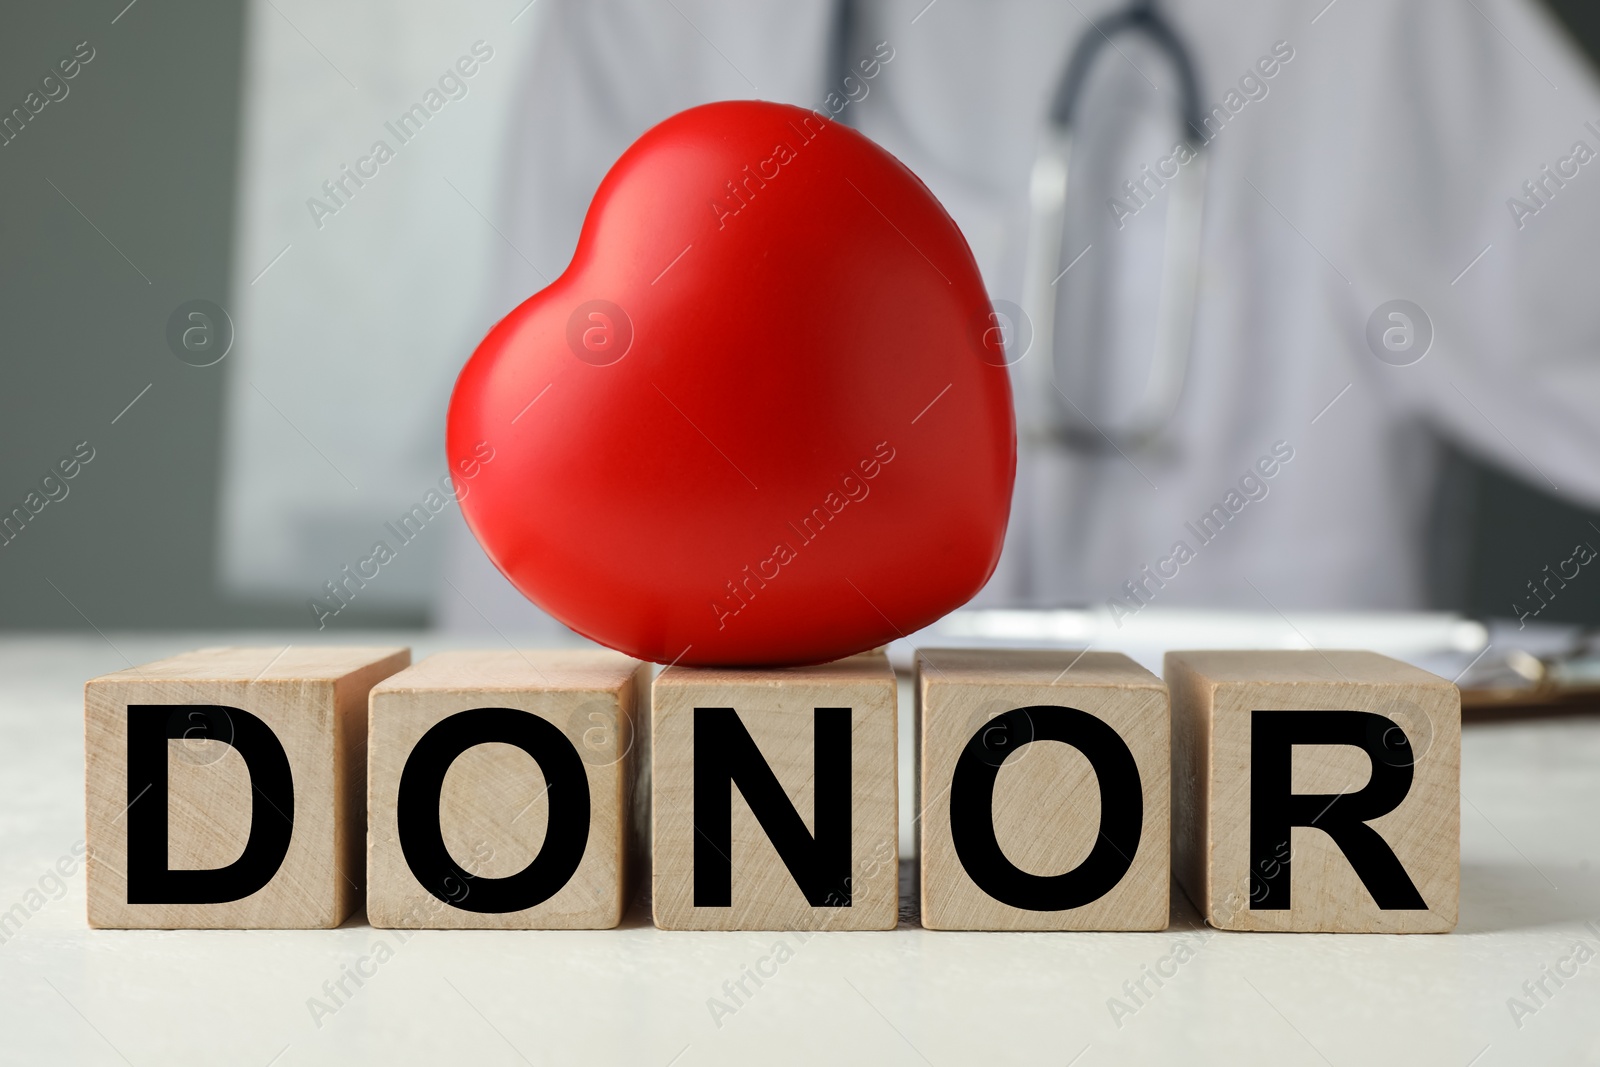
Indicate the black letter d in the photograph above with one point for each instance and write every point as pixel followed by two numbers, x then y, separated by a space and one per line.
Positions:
pixel 150 727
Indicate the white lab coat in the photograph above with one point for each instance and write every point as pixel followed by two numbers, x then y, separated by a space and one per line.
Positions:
pixel 1378 165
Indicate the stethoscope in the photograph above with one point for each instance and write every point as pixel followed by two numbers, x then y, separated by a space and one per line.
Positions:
pixel 1057 419
pixel 1048 415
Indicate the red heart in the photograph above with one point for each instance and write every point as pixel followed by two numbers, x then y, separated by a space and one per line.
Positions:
pixel 761 419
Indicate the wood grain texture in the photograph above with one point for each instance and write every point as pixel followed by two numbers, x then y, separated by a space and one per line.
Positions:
pixel 1047 805
pixel 1214 698
pixel 314 700
pixel 777 707
pixel 493 809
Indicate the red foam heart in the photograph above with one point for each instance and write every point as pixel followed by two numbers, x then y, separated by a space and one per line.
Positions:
pixel 761 418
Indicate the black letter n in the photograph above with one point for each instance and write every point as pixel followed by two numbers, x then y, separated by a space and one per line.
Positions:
pixel 725 756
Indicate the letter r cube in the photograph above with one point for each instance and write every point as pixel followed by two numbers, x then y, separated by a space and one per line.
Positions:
pixel 1315 791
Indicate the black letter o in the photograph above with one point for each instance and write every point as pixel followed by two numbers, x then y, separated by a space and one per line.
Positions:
pixel 417 810
pixel 972 808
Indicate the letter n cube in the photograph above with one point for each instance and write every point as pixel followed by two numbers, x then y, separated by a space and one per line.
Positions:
pixel 775 797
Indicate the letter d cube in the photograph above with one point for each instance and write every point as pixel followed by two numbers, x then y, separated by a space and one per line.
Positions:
pixel 224 787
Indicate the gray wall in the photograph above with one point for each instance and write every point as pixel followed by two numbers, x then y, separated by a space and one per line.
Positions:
pixel 144 147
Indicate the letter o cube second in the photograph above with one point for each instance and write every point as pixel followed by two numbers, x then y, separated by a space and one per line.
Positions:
pixel 1018 834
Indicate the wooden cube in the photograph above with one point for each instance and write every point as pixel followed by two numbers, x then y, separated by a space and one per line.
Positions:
pixel 774 795
pixel 223 787
pixel 1316 791
pixel 501 790
pixel 1019 835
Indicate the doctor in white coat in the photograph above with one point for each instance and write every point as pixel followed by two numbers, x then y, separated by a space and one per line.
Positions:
pixel 1398 248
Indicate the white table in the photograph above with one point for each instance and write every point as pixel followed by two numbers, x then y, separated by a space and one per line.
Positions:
pixel 1530 849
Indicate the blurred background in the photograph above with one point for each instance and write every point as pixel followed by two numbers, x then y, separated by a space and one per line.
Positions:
pixel 241 458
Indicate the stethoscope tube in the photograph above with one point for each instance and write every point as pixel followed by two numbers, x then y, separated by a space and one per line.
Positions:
pixel 1142 15
pixel 1049 415
pixel 1046 414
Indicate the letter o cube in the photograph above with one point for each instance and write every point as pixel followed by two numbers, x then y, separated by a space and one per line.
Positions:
pixel 501 790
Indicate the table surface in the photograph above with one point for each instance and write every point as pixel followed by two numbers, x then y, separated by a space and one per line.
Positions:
pixel 1530 843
